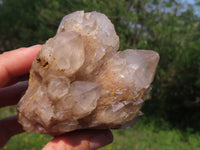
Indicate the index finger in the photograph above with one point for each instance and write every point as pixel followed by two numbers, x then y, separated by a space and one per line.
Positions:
pixel 16 63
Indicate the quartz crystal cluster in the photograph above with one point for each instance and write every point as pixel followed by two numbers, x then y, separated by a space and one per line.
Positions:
pixel 79 80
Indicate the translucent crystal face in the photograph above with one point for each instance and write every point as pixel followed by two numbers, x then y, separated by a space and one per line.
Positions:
pixel 79 80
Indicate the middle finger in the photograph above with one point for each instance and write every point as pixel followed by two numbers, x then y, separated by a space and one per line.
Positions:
pixel 10 95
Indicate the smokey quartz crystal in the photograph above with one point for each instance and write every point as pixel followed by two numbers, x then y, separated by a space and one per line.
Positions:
pixel 79 80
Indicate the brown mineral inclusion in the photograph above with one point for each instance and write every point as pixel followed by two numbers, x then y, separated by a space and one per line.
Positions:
pixel 79 80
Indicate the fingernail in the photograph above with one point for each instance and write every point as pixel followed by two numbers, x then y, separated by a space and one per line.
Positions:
pixel 38 45
pixel 101 140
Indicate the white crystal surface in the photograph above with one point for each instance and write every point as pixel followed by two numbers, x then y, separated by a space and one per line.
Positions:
pixel 79 80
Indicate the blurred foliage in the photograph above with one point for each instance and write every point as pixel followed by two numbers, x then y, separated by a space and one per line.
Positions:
pixel 169 27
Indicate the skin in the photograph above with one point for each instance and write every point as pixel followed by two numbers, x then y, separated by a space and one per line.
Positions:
pixel 13 66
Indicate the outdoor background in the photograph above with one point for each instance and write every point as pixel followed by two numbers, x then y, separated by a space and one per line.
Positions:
pixel 171 27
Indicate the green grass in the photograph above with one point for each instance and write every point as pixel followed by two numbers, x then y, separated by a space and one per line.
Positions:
pixel 143 136
pixel 146 137
pixel 27 141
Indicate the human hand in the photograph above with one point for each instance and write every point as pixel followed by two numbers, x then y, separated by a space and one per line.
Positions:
pixel 16 64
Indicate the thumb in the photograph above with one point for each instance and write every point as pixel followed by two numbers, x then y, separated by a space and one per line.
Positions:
pixel 81 140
